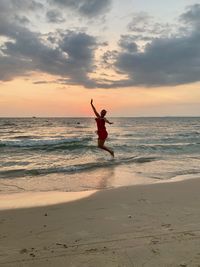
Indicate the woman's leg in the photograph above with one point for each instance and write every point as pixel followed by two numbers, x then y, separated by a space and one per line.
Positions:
pixel 101 145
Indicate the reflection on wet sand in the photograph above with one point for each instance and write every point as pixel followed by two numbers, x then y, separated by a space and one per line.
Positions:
pixel 36 199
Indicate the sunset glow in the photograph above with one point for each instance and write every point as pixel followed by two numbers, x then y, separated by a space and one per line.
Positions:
pixel 133 58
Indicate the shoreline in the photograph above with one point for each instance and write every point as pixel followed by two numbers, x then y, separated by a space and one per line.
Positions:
pixel 143 225
pixel 95 180
pixel 14 200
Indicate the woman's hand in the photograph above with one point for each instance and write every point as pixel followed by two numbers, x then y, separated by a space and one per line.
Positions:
pixel 94 109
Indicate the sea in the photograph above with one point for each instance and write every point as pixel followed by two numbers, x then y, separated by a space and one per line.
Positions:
pixel 61 154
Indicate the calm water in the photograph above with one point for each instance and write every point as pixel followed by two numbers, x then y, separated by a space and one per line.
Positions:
pixel 61 153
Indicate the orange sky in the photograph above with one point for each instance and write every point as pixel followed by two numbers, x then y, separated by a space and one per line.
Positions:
pixel 23 98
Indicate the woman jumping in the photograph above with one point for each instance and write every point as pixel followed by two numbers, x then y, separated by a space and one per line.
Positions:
pixel 101 129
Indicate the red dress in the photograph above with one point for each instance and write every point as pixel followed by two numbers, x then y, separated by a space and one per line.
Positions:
pixel 101 129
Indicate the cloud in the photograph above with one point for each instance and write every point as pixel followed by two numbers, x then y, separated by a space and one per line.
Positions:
pixel 128 43
pixel 69 55
pixel 192 16
pixel 79 48
pixel 54 16
pixel 42 82
pixel 11 67
pixel 142 22
pixel 108 58
pixel 72 58
pixel 11 17
pixel 12 7
pixel 64 53
pixel 164 61
pixel 23 20
pixel 88 8
pixel 15 12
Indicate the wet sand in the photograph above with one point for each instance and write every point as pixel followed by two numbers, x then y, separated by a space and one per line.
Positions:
pixel 143 225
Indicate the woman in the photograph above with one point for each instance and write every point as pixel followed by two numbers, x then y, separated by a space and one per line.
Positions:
pixel 101 129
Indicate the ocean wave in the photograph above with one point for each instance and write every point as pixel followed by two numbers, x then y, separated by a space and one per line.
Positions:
pixel 25 137
pixel 47 144
pixel 2 145
pixel 181 147
pixel 173 174
pixel 188 134
pixel 7 124
pixel 184 172
pixel 75 168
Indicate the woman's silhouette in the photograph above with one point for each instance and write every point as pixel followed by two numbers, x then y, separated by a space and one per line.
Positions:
pixel 101 129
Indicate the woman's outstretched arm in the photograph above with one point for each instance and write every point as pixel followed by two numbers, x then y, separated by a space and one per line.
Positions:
pixel 108 121
pixel 94 109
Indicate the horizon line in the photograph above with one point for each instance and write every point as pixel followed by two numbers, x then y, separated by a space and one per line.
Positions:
pixel 164 116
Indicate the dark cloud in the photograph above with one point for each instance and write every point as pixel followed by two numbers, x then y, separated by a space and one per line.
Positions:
pixel 79 48
pixel 140 37
pixel 23 20
pixel 76 46
pixel 142 22
pixel 11 20
pixel 72 58
pixel 164 61
pixel 25 5
pixel 12 7
pixel 68 54
pixel 89 8
pixel 108 58
pixel 54 16
pixel 128 43
pixel 192 16
pixel 14 13
pixel 42 82
pixel 11 67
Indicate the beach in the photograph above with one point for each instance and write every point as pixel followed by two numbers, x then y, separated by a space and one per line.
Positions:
pixel 99 133
pixel 141 225
pixel 64 202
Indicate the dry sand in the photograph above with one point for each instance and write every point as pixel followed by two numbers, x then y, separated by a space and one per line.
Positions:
pixel 149 225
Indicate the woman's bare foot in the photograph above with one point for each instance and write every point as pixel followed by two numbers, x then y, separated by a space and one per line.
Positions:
pixel 112 153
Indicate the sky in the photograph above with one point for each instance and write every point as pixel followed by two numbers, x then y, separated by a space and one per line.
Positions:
pixel 133 57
